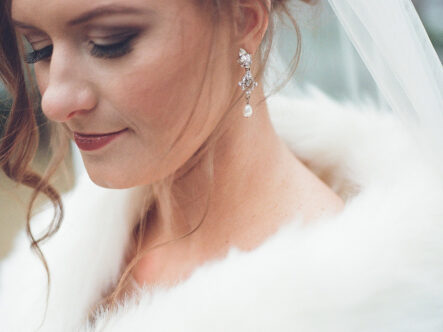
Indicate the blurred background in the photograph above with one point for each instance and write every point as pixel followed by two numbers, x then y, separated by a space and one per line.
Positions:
pixel 321 34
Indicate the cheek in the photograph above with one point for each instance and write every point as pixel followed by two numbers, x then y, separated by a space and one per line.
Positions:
pixel 166 93
pixel 161 87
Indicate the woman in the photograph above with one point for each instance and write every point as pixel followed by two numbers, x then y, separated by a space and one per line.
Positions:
pixel 223 219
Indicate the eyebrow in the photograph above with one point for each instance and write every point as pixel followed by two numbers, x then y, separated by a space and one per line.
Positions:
pixel 104 11
pixel 95 13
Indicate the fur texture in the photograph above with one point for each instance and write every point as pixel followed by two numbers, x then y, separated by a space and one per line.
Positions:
pixel 376 266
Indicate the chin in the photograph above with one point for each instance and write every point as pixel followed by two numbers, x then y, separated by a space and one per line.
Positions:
pixel 123 175
pixel 114 181
pixel 109 173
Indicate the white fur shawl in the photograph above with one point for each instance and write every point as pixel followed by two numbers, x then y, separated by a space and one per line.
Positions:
pixel 377 266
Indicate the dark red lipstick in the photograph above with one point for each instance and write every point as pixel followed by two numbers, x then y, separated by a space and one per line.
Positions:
pixel 90 142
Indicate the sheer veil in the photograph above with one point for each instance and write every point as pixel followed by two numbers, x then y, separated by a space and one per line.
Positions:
pixel 389 38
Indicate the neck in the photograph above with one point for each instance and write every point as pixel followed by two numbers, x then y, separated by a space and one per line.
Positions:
pixel 252 168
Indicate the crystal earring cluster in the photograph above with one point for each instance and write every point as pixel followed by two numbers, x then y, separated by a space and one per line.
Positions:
pixel 247 83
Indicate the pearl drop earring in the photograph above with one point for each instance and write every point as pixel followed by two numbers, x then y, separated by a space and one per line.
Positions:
pixel 247 83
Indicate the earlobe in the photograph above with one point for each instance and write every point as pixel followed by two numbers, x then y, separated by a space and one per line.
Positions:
pixel 252 18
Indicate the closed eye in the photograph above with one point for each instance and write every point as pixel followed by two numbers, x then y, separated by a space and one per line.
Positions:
pixel 114 50
pixel 109 51
pixel 37 55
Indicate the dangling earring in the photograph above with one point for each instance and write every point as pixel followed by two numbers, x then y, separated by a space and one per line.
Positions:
pixel 247 83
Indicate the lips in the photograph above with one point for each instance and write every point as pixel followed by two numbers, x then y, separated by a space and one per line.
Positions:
pixel 90 142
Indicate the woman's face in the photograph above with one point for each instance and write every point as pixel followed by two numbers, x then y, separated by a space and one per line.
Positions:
pixel 134 69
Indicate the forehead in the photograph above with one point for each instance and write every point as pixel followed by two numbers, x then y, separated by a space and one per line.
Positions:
pixel 46 12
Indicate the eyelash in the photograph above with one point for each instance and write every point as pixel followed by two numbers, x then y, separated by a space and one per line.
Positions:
pixel 110 51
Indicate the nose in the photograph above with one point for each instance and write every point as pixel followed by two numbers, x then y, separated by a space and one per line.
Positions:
pixel 68 92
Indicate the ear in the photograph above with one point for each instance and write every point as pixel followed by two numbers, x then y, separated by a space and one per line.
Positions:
pixel 251 22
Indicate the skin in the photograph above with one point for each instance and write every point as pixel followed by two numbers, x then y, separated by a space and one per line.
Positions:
pixel 152 92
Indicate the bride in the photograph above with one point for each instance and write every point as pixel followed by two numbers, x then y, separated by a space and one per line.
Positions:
pixel 207 205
